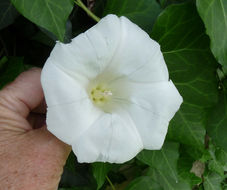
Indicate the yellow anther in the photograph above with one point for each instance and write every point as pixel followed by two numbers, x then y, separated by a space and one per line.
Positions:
pixel 99 94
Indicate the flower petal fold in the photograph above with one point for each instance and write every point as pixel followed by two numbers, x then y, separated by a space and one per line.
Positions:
pixel 69 109
pixel 112 138
pixel 59 87
pixel 151 107
pixel 78 117
pixel 138 57
pixel 90 52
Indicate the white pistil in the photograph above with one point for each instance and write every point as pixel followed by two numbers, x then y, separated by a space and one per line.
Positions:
pixel 107 93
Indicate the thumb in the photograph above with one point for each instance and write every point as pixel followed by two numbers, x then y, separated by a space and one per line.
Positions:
pixel 24 94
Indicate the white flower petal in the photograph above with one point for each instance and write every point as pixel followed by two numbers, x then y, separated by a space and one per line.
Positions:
pixel 59 87
pixel 90 52
pixel 69 121
pixel 112 138
pixel 104 38
pixel 113 67
pixel 70 110
pixel 151 107
pixel 138 56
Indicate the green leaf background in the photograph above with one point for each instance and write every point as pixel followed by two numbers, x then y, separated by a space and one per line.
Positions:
pixel 7 13
pixel 192 69
pixel 213 13
pixel 49 14
pixel 164 160
pixel 216 127
pixel 142 12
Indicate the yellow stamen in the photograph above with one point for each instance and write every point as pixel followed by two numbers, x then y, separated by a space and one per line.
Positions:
pixel 100 94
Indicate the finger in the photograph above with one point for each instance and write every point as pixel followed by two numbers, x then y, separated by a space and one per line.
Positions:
pixel 36 120
pixel 42 108
pixel 24 94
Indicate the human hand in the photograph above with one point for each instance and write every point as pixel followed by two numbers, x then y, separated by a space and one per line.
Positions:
pixel 31 158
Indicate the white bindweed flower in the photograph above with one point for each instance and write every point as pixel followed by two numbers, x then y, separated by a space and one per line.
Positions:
pixel 108 92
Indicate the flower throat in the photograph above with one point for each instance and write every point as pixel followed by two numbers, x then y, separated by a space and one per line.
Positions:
pixel 100 94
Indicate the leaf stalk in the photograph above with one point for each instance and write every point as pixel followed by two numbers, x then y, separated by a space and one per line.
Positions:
pixel 111 184
pixel 91 14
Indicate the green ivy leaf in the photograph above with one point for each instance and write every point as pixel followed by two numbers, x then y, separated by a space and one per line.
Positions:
pixel 167 182
pixel 193 151
pixel 49 14
pixel 221 156
pixel 217 124
pixel 164 160
pixel 71 163
pixel 7 13
pixel 214 164
pixel 10 70
pixel 73 175
pixel 192 69
pixel 142 12
pixel 143 183
pixel 165 3
pixel 100 171
pixel 185 164
pixel 212 181
pixel 214 15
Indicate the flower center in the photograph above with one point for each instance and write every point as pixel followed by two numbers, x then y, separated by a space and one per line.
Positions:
pixel 100 94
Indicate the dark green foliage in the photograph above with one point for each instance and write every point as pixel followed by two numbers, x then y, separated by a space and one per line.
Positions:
pixel 192 69
pixel 10 69
pixel 217 123
pixel 7 13
pixel 49 14
pixel 142 12
pixel 213 13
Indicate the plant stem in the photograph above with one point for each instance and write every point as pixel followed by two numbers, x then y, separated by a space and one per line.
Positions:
pixel 92 15
pixel 111 184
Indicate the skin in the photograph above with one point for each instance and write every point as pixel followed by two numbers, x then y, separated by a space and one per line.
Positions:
pixel 31 158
